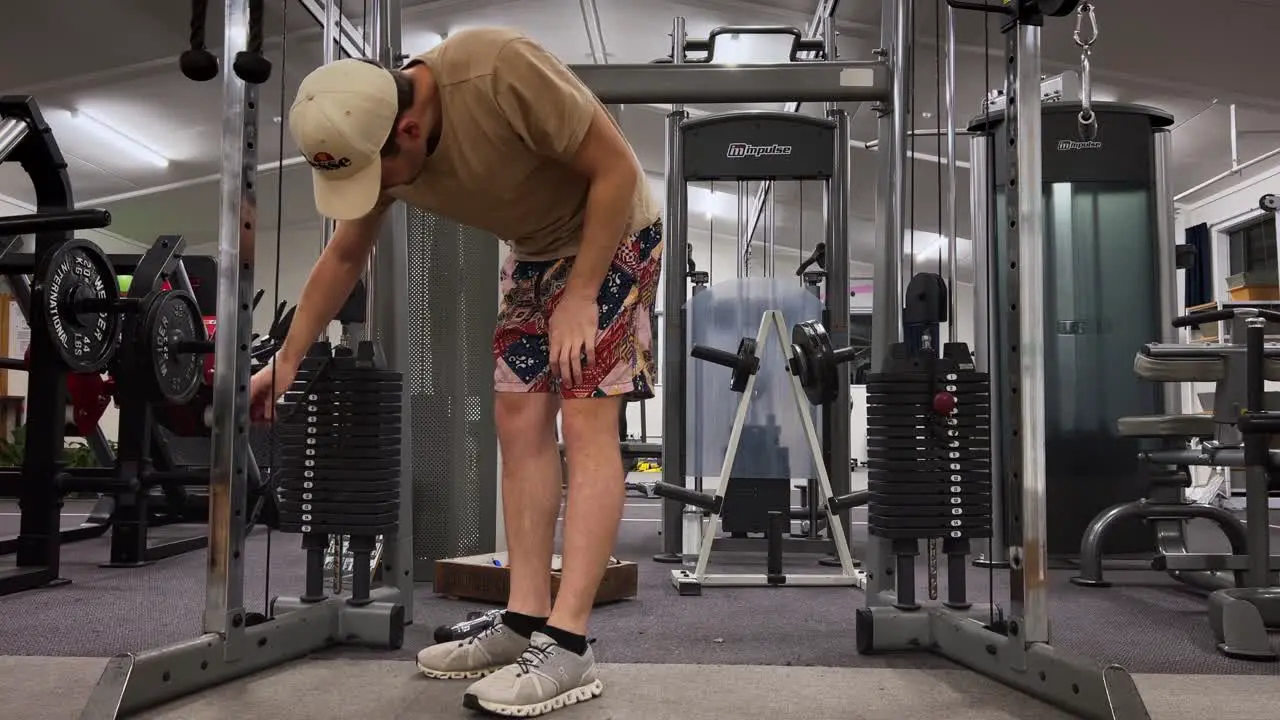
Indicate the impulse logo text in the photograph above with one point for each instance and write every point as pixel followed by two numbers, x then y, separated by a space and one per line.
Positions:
pixel 1065 145
pixel 743 150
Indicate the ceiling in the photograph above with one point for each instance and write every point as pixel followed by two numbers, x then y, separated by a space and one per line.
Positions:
pixel 1193 60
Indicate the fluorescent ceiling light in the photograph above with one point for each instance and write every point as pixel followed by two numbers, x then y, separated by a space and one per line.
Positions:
pixel 118 140
pixel 416 43
pixel 749 49
pixel 928 243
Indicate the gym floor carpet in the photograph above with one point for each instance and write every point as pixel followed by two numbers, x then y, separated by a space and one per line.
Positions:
pixel 663 656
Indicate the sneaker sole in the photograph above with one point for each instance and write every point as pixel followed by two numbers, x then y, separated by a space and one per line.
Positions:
pixel 573 697
pixel 457 674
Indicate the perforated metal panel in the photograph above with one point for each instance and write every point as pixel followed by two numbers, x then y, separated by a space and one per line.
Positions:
pixel 453 301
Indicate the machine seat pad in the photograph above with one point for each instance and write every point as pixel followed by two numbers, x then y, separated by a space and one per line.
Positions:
pixel 1163 426
pixel 1169 370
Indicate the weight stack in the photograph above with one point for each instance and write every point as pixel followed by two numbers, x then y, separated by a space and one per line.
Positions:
pixel 338 443
pixel 929 447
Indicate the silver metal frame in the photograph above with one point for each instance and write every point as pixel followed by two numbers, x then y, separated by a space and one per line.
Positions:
pixel 1014 650
pixel 229 648
pixel 688 583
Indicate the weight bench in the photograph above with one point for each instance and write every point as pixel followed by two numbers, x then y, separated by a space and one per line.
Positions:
pixel 1166 470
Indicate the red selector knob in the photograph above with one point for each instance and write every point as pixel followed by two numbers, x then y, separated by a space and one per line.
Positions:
pixel 944 403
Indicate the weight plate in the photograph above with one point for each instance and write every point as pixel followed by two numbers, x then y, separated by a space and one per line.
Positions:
pixel 335 375
pixel 926 454
pixel 962 388
pixel 329 385
pixel 77 271
pixel 877 513
pixel 341 518
pixel 931 444
pixel 354 431
pixel 334 435
pixel 171 317
pixel 975 499
pixel 325 485
pixel 961 411
pixel 327 496
pixel 981 484
pixel 983 476
pixel 939 466
pixel 928 420
pixel 338 509
pixel 300 528
pixel 938 434
pixel 363 402
pixel 348 451
pixel 814 362
pixel 324 465
pixel 939 523
pixel 924 398
pixel 940 376
pixel 917 534
pixel 388 475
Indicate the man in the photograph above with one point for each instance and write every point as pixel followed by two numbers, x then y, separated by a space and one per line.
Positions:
pixel 491 130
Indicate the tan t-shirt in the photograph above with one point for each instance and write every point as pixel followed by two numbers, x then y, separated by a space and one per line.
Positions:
pixel 513 117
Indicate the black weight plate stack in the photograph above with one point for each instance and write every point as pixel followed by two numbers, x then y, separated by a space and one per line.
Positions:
pixel 338 445
pixel 929 448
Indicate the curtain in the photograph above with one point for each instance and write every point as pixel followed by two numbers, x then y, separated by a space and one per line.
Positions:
pixel 1199 277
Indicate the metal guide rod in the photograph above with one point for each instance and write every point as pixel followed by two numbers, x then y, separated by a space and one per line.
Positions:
pixel 676 252
pixel 986 342
pixel 12 131
pixel 327 224
pixel 224 592
pixel 347 35
pixel 837 306
pixel 840 81
pixel 744 249
pixel 771 249
pixel 949 211
pixel 1171 393
pixel 1030 217
pixel 886 309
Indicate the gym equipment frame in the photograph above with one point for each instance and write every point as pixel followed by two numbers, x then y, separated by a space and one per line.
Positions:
pixel 1015 651
pixel 230 646
pixel 691 583
pixel 698 150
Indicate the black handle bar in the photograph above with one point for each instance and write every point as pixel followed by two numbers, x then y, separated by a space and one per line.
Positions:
pixel 714 355
pixel 1208 316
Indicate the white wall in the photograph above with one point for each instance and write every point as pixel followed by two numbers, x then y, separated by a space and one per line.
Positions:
pixel 1227 207
pixel 110 243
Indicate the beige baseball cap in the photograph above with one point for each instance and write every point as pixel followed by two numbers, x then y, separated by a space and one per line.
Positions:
pixel 340 120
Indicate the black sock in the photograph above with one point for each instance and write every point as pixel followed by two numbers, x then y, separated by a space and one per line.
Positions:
pixel 567 640
pixel 523 625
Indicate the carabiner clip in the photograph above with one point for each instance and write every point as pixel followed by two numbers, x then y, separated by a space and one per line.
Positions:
pixel 1086 8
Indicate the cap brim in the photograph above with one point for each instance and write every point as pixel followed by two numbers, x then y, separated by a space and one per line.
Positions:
pixel 350 198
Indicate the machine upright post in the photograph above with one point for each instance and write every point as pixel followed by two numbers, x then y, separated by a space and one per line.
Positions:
pixel 886 298
pixel 330 38
pixel 1030 559
pixel 229 441
pixel 676 251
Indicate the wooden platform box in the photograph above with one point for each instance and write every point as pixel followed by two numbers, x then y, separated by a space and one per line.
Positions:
pixel 486 578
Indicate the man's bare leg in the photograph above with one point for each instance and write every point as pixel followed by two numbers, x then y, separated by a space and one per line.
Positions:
pixel 531 495
pixel 596 496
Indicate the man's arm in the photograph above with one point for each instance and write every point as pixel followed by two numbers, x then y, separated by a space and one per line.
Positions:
pixel 330 283
pixel 558 117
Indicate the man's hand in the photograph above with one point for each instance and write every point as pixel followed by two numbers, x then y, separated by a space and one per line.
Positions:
pixel 266 387
pixel 572 331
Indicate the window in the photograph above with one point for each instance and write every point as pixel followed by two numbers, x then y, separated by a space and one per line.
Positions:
pixel 1253 246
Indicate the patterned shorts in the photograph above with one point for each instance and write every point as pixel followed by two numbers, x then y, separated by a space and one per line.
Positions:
pixel 624 339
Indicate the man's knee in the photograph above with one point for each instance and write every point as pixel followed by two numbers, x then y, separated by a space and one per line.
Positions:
pixel 525 421
pixel 587 422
